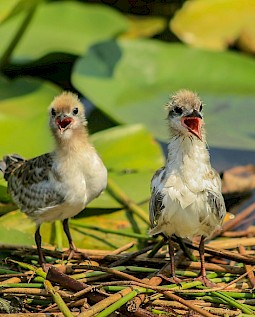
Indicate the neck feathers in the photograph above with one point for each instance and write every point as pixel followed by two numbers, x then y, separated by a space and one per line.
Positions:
pixel 184 149
pixel 72 141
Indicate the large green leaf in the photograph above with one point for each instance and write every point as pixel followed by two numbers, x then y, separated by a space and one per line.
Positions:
pixel 16 228
pixel 131 81
pixel 216 24
pixel 65 26
pixel 24 116
pixel 128 148
pixel 10 8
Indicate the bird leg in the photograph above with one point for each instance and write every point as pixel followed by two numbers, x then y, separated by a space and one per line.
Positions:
pixel 202 276
pixel 38 241
pixel 173 279
pixel 72 248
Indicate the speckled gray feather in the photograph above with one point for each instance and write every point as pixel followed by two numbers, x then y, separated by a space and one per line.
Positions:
pixel 28 182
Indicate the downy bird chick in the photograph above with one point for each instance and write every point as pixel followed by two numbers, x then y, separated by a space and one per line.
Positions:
pixel 58 185
pixel 186 198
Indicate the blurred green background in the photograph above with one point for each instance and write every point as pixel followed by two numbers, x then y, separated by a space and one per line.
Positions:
pixel 124 59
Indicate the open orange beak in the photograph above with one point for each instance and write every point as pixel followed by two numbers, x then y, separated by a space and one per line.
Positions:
pixel 193 124
pixel 63 123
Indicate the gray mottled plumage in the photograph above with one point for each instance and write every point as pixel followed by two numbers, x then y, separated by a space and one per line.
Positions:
pixel 29 182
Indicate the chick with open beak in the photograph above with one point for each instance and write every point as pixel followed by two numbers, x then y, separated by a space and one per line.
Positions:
pixel 63 122
pixel 193 123
pixel 186 198
pixel 59 184
pixel 185 114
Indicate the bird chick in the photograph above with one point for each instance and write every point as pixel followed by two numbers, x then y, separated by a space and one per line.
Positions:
pixel 186 198
pixel 58 185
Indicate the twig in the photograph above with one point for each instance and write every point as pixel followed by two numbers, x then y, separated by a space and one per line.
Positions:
pixel 58 299
pixel 231 243
pixel 36 315
pixel 197 309
pixel 123 248
pixel 135 303
pixel 55 275
pixel 220 268
pixel 233 302
pixel 39 271
pixel 249 269
pixel 118 304
pixel 237 220
pixel 224 253
pixel 240 233
pixel 102 305
pixel 130 256
pixel 111 271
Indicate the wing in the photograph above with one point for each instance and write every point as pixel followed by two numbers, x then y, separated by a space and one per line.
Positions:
pixel 217 204
pixel 30 182
pixel 156 202
pixel 216 200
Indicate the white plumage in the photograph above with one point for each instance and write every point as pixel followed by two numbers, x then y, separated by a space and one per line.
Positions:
pixel 186 193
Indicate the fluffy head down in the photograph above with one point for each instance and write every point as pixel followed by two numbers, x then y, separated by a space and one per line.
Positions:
pixel 186 100
pixel 185 114
pixel 66 114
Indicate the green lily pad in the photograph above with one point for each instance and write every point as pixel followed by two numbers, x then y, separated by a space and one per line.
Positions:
pixel 24 116
pixel 130 81
pixel 215 24
pixel 128 148
pixel 14 229
pixel 10 8
pixel 64 26
pixel 12 236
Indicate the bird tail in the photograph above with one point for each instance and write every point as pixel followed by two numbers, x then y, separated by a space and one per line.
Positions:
pixel 6 166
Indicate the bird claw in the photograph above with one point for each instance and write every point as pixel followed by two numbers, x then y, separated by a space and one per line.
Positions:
pixel 46 267
pixel 206 282
pixel 71 252
pixel 172 279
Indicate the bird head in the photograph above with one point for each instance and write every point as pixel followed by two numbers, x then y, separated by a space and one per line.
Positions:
pixel 66 114
pixel 185 114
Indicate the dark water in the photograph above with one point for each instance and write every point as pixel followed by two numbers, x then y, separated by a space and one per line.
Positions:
pixel 223 159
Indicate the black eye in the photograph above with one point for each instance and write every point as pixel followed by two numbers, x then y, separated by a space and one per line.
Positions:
pixel 178 110
pixel 53 112
pixel 75 111
pixel 201 107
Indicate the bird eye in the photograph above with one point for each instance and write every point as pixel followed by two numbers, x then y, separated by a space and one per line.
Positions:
pixel 75 111
pixel 178 110
pixel 53 112
pixel 201 107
